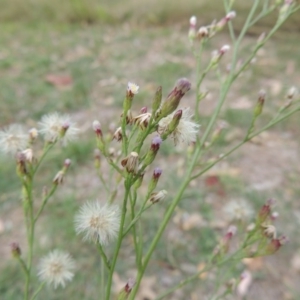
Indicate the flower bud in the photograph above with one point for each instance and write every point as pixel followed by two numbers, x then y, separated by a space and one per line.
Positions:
pixel 123 295
pixel 157 100
pixel 172 125
pixel 192 30
pixel 97 128
pixel 155 177
pixel 202 32
pixel 260 103
pixel 15 250
pixel 155 145
pixel 159 196
pixel 291 92
pixel 132 89
pixel 274 246
pixel 99 135
pixel 21 164
pixel 173 99
pixel 131 162
pixel 265 211
pixel 144 110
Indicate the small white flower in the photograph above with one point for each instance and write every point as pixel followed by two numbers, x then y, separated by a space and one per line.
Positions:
pixel 185 132
pixel 56 268
pixel 13 139
pixel 193 21
pixel 132 88
pixel 55 126
pixel 98 223
pixel 238 210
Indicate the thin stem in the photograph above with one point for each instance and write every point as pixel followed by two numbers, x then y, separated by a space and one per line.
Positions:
pixel 23 265
pixel 38 290
pixel 269 125
pixel 103 256
pixel 102 279
pixel 45 200
pixel 120 237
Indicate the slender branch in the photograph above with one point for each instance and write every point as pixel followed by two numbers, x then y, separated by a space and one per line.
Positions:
pixel 103 256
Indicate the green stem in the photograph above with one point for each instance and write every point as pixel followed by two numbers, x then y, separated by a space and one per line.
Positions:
pixel 38 290
pixel 120 238
pixel 45 200
pixel 103 256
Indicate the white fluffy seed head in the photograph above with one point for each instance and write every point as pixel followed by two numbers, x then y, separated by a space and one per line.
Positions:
pixel 185 132
pixel 13 139
pixel 98 223
pixel 58 127
pixel 56 268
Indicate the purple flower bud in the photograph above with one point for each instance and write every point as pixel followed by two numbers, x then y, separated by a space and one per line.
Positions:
pixel 144 110
pixel 67 163
pixel 156 143
pixel 156 173
pixel 97 128
pixel 183 85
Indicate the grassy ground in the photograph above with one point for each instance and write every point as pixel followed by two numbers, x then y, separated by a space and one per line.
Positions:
pixel 97 62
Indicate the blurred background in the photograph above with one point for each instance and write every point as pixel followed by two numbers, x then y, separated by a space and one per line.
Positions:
pixel 76 57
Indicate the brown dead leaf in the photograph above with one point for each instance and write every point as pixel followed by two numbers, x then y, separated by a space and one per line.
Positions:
pixel 59 81
pixel 254 264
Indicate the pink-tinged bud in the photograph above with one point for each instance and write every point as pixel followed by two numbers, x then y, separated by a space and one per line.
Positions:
pixel 192 30
pixel 15 250
pixel 129 285
pixel 67 163
pixel 171 103
pixel 97 128
pixel 157 173
pixel 224 49
pixel 274 215
pixel 183 85
pixel 150 156
pixel 274 245
pixel 193 21
pixel 231 15
pixel 265 211
pixel 156 142
pixel 118 135
pixel 157 197
pixel 131 162
pixel 244 284
pixel 64 128
pixel 144 110
pixel 154 180
pixel 230 233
